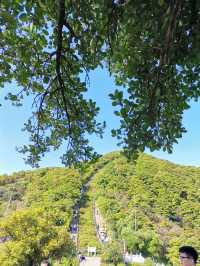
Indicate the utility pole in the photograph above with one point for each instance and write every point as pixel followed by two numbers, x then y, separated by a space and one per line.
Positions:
pixel 135 214
pixel 124 246
pixel 124 251
pixel 135 219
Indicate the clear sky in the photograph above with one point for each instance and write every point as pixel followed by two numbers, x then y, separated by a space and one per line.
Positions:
pixel 101 84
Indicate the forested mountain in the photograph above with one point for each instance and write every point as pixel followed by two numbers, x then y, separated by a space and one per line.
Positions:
pixel 153 205
pixel 150 206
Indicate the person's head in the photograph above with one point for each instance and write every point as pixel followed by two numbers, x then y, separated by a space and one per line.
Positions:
pixel 188 256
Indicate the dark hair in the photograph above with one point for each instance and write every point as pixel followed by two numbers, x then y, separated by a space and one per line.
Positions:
pixel 189 251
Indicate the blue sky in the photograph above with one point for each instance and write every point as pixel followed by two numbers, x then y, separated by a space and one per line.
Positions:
pixel 101 84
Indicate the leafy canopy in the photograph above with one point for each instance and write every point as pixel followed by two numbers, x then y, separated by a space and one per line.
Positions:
pixel 36 213
pixel 150 47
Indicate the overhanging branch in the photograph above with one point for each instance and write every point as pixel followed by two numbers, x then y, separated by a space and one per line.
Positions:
pixel 61 23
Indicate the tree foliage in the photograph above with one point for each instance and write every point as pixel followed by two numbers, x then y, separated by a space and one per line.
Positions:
pixel 155 58
pixel 34 237
pixel 38 228
pixel 150 47
pixel 87 229
pixel 113 254
pixel 144 205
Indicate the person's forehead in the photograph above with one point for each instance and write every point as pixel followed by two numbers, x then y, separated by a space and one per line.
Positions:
pixel 185 255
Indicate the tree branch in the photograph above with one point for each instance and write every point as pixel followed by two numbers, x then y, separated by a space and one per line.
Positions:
pixel 61 23
pixel 170 30
pixel 68 26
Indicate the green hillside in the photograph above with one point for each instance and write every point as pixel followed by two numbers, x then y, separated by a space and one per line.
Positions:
pixel 150 206
pixel 36 209
pixel 153 205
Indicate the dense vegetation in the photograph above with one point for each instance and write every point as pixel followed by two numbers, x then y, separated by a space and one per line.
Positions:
pixel 150 206
pixel 39 225
pixel 87 230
